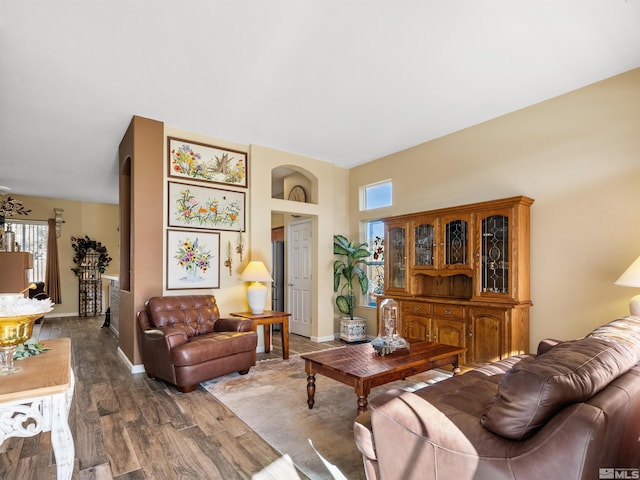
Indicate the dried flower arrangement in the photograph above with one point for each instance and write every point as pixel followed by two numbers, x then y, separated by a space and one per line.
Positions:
pixel 82 246
pixel 10 206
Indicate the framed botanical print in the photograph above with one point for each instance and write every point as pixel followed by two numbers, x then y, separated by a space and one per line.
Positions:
pixel 198 161
pixel 208 208
pixel 193 259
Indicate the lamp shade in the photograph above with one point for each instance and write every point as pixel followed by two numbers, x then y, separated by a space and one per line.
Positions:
pixel 256 273
pixel 631 278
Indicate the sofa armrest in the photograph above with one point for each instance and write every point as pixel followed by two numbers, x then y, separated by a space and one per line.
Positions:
pixel 547 344
pixel 170 336
pixel 143 321
pixel 153 334
pixel 162 340
pixel 403 412
pixel 174 337
pixel 363 435
pixel 233 325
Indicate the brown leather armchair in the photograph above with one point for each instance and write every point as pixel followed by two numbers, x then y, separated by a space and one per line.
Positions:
pixel 184 341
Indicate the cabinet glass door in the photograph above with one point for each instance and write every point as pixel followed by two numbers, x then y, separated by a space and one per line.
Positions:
pixel 456 243
pixel 423 244
pixel 396 257
pixel 494 255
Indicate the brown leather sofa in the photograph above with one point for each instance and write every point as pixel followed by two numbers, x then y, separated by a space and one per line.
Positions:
pixel 184 341
pixel 565 413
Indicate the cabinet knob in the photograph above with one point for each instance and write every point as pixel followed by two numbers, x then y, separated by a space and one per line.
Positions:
pixel 447 312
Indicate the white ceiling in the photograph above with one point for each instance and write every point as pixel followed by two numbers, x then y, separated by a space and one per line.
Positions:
pixel 345 81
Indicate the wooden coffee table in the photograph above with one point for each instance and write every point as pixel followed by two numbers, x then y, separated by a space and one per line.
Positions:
pixel 362 368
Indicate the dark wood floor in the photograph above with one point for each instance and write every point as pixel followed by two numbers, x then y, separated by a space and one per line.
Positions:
pixel 128 426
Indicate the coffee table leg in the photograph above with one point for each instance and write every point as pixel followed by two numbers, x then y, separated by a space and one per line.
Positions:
pixel 311 389
pixel 456 367
pixel 362 391
pixel 362 404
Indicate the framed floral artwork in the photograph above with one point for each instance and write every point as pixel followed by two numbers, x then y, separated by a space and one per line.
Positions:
pixel 193 259
pixel 197 161
pixel 208 208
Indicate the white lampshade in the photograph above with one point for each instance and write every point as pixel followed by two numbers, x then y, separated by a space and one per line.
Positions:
pixel 631 278
pixel 256 272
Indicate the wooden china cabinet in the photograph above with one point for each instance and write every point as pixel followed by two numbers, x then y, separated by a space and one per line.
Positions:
pixel 461 276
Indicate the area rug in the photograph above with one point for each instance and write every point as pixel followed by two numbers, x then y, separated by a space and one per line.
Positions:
pixel 272 400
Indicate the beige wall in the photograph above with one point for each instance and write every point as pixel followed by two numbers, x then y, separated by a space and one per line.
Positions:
pixel 578 156
pixel 97 220
pixel 230 295
pixel 324 184
pixel 325 189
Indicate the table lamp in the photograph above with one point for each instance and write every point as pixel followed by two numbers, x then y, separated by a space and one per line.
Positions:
pixel 256 273
pixel 631 278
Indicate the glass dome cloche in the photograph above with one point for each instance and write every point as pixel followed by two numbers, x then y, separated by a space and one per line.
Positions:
pixel 388 340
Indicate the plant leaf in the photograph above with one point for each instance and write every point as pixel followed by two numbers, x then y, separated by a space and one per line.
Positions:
pixel 343 304
pixel 361 253
pixel 364 284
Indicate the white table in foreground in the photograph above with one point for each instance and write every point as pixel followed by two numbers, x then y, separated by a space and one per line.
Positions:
pixel 38 399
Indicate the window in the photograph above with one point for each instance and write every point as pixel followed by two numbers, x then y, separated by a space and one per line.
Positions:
pixel 375 268
pixel 31 236
pixel 377 195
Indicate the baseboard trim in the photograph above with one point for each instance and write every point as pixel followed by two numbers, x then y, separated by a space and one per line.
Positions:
pixel 132 368
pixel 328 338
pixel 58 315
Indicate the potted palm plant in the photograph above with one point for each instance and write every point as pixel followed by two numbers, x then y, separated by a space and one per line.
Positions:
pixel 348 274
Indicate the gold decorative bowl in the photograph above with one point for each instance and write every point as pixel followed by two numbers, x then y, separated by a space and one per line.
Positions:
pixel 17 329
pixel 17 315
pixel 14 330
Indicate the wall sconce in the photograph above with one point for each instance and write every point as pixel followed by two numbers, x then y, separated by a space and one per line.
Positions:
pixel 59 221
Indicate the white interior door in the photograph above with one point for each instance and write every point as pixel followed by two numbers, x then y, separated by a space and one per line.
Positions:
pixel 299 236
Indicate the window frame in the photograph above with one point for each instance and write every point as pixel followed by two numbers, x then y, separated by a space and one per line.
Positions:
pixel 38 272
pixel 366 188
pixel 375 264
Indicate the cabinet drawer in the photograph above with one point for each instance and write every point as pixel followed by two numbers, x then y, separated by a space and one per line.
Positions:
pixel 416 308
pixel 449 311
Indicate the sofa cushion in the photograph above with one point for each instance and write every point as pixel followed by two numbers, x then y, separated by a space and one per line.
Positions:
pixel 206 348
pixel 536 389
pixel 626 330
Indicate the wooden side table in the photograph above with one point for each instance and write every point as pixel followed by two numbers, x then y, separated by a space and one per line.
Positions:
pixel 38 399
pixel 266 319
